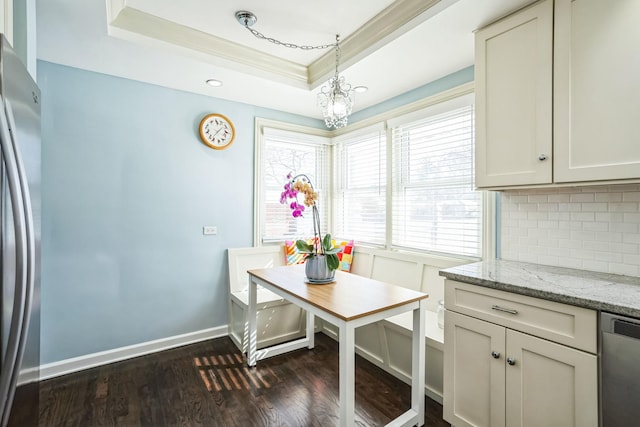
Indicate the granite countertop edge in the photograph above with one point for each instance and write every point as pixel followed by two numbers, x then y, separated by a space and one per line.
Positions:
pixel 593 290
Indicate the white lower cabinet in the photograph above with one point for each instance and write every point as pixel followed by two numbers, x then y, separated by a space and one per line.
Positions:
pixel 549 384
pixel 497 376
pixel 474 381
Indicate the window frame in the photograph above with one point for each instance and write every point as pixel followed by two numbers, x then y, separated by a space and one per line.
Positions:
pixel 338 167
pixel 488 228
pixel 397 182
pixel 258 192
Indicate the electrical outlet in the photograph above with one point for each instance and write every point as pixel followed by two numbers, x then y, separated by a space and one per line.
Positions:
pixel 209 230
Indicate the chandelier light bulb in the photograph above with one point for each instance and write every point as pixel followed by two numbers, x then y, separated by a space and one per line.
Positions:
pixel 339 107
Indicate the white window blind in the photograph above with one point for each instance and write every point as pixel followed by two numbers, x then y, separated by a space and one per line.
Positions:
pixel 435 207
pixel 283 152
pixel 360 191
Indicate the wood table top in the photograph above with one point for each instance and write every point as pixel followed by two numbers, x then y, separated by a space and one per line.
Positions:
pixel 349 297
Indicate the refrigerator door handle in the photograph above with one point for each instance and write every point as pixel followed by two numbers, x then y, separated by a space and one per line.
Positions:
pixel 11 363
pixel 30 259
pixel 28 219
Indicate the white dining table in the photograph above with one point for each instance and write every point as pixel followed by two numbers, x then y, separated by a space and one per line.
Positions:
pixel 350 301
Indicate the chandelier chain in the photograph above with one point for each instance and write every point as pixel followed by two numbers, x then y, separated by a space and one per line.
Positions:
pixel 337 45
pixel 335 98
pixel 259 35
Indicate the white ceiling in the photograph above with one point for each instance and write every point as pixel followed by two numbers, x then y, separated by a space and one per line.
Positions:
pixel 389 46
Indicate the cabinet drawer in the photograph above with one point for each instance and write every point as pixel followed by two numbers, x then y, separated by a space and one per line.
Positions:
pixel 562 323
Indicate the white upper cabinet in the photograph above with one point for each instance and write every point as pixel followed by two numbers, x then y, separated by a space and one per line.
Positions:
pixel 513 67
pixel 596 90
pixel 558 95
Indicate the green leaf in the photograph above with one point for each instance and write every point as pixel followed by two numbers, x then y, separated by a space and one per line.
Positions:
pixel 327 247
pixel 304 247
pixel 326 242
pixel 332 261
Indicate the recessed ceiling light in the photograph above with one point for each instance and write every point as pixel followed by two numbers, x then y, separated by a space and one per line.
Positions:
pixel 360 89
pixel 214 82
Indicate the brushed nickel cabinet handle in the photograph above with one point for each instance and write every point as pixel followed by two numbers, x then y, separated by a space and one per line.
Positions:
pixel 511 361
pixel 505 310
pixel 495 354
pixel 542 157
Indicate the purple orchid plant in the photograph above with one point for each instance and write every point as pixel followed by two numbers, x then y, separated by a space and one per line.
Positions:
pixel 293 188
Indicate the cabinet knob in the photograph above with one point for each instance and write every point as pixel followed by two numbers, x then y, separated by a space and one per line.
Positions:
pixel 511 361
pixel 495 354
pixel 542 157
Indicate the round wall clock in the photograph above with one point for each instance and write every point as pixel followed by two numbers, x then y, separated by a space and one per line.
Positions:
pixel 217 131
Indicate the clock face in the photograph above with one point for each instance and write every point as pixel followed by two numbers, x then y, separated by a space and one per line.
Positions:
pixel 217 131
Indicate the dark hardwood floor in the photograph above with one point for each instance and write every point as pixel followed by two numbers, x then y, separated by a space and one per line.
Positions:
pixel 208 384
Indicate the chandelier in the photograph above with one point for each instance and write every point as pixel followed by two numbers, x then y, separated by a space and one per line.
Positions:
pixel 336 97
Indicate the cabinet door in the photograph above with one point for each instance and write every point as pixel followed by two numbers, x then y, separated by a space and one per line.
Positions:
pixel 513 67
pixel 473 378
pixel 596 90
pixel 549 384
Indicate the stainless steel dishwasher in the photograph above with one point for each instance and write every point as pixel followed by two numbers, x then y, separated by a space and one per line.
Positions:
pixel 620 371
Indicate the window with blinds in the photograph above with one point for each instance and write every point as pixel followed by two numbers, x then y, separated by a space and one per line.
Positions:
pixel 360 190
pixel 283 152
pixel 435 207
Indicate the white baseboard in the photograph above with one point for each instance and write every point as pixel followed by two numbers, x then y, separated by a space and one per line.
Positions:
pixel 27 376
pixel 75 364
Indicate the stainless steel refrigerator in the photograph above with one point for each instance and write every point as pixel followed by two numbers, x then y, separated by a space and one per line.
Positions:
pixel 20 219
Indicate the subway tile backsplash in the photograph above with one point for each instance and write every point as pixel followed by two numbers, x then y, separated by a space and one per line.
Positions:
pixel 592 228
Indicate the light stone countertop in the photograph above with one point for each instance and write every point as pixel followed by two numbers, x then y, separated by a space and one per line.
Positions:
pixel 599 291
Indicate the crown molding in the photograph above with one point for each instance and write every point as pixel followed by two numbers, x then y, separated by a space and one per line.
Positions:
pixel 135 25
pixel 398 18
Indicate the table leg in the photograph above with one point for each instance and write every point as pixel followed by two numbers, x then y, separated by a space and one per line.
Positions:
pixel 417 362
pixel 252 323
pixel 347 375
pixel 311 329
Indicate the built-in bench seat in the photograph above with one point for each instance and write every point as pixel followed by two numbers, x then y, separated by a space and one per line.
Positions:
pixel 398 334
pixel 433 333
pixel 387 344
pixel 278 319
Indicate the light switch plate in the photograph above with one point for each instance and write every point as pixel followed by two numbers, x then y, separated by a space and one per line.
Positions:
pixel 209 230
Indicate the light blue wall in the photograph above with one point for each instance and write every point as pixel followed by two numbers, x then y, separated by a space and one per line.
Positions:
pixel 127 187
pixel 20 29
pixel 445 83
pixel 24 25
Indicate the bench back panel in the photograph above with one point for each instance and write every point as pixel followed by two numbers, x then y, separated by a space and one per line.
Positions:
pixel 243 259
